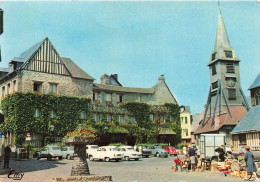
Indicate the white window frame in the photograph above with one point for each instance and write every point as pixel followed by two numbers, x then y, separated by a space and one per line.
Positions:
pixel 108 97
pixel 171 119
pixel 120 118
pixel 96 96
pixel 151 117
pixel 39 86
pixel 53 114
pixel 132 119
pixel 37 113
pixel 109 118
pixel 83 115
pixel 96 117
pixel 52 86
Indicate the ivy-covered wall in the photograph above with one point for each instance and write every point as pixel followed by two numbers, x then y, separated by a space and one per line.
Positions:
pixel 19 111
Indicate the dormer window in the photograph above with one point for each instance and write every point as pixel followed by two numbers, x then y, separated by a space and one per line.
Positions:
pixel 228 54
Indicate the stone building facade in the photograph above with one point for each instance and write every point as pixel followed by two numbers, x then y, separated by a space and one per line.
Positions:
pixel 42 69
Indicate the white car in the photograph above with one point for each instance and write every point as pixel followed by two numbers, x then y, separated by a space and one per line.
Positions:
pixel 130 153
pixel 106 153
pixel 90 149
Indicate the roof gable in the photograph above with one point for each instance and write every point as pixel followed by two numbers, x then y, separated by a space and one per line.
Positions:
pixel 256 83
pixel 250 122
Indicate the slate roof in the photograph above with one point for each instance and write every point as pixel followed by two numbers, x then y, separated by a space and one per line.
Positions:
pixel 27 54
pixel 97 86
pixel 256 83
pixel 74 70
pixel 238 113
pixel 250 122
pixel 4 69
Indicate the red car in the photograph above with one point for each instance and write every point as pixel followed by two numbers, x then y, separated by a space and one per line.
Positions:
pixel 171 150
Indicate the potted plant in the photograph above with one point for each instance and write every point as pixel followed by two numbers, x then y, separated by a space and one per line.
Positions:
pixel 79 136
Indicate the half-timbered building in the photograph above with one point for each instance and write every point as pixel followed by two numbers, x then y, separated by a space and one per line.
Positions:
pixel 42 69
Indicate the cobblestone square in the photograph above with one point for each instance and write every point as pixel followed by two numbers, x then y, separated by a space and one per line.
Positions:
pixel 148 169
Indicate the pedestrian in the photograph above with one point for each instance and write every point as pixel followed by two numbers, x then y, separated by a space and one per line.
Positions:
pixel 221 152
pixel 135 148
pixel 140 148
pixel 191 154
pixel 7 156
pixel 250 164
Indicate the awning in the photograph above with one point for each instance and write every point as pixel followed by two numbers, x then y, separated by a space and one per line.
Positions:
pixel 166 131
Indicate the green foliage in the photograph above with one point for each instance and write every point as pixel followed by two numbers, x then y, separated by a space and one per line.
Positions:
pixel 19 111
pixel 181 145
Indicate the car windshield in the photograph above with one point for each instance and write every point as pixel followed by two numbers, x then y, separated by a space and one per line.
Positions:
pixel 172 148
pixel 113 149
pixel 159 147
pixel 130 148
pixel 72 148
pixel 94 147
pixel 55 148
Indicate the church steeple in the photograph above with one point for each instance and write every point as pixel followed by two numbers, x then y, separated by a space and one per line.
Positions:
pixel 222 49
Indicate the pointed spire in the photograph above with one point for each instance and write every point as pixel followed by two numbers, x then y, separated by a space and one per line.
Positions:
pixel 221 41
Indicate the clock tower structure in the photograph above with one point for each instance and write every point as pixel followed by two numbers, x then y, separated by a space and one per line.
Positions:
pixel 225 89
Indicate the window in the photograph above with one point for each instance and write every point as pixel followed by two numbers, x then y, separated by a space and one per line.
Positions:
pixel 3 91
pixel 215 85
pixel 53 114
pixel 14 85
pixel 109 118
pixel 242 139
pixel 187 132
pixel 213 69
pixel 132 119
pixel 228 54
pixel 96 96
pixel 8 88
pixel 161 118
pixel 171 119
pixel 120 118
pixel 151 117
pixel 230 67
pixel 37 87
pixel 96 117
pixel 108 97
pixel 37 113
pixel 213 56
pixel 186 120
pixel 83 115
pixel 53 88
pixel 232 94
pixel 119 98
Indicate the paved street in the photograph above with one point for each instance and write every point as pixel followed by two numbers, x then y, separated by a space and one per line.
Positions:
pixel 151 169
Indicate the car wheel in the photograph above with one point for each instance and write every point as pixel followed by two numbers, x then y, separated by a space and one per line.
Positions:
pixel 38 158
pixel 91 158
pixel 60 158
pixel 127 158
pixel 137 159
pixel 48 158
pixel 175 154
pixel 157 155
pixel 107 159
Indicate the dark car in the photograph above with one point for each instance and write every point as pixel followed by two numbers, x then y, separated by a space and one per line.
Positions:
pixel 146 152
pixel 171 150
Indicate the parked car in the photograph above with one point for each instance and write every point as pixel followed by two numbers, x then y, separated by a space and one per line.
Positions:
pixel 171 150
pixel 158 151
pixel 91 149
pixel 146 152
pixel 68 152
pixel 130 153
pixel 106 153
pixel 51 151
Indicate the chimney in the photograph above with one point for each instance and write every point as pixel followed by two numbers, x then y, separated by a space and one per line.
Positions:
pixel 161 78
pixel 104 79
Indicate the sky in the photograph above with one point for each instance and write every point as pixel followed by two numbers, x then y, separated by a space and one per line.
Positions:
pixel 139 41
